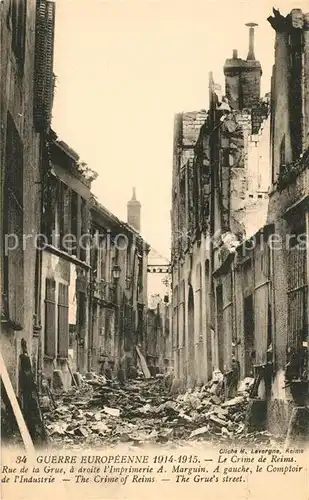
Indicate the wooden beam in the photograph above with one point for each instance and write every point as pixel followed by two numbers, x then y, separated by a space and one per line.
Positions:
pixel 16 409
pixel 143 364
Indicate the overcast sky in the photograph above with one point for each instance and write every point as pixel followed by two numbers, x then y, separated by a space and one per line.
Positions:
pixel 125 67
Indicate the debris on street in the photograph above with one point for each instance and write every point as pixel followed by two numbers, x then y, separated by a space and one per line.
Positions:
pixel 106 412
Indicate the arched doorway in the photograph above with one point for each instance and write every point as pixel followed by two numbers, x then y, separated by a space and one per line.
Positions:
pixel 191 361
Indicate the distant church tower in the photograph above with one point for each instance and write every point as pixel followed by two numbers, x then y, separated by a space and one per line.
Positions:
pixel 134 212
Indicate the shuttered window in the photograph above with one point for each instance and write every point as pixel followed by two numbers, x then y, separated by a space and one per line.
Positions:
pixel 18 24
pixel 50 317
pixel 262 313
pixel 297 296
pixel 63 321
pixel 13 225
pixel 44 53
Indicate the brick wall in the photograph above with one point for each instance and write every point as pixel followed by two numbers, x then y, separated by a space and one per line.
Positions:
pixel 242 82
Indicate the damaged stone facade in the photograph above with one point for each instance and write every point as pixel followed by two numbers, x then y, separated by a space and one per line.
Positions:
pixel 219 197
pixel 26 91
pixel 288 212
pixel 93 278
pixel 270 271
pixel 190 212
pixel 118 291
pixel 64 265
pixel 257 294
pixel 93 275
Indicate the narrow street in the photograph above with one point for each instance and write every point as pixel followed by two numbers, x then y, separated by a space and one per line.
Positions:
pixel 176 309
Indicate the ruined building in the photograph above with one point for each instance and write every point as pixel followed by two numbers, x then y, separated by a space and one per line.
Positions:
pixel 26 95
pixel 64 263
pixel 240 205
pixel 219 197
pixel 118 292
pixel 263 283
pixel 288 213
pixel 93 278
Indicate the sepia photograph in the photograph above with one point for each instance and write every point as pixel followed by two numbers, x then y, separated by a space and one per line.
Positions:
pixel 154 263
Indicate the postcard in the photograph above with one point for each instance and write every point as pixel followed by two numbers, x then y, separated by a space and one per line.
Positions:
pixel 154 264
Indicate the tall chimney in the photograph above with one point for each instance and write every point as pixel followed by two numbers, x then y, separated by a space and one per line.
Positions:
pixel 251 56
pixel 134 212
pixel 243 77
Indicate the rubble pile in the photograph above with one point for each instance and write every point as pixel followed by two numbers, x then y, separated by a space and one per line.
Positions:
pixel 143 411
